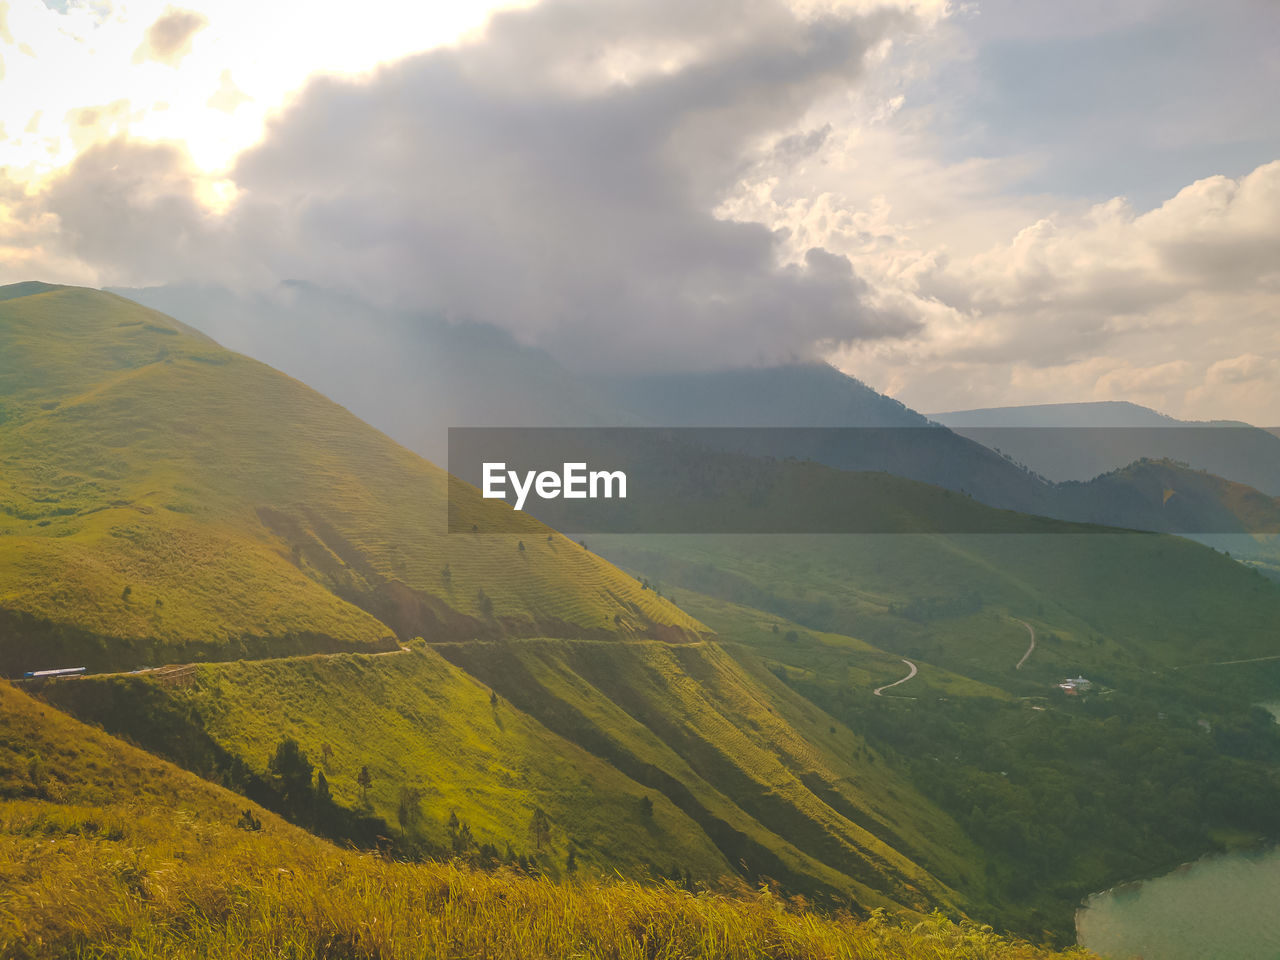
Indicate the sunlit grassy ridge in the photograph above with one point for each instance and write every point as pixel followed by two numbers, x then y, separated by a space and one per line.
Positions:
pixel 811 811
pixel 106 852
pixel 163 498
pixel 413 720
pixel 650 759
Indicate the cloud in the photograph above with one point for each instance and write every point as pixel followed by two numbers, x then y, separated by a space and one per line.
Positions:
pixel 169 38
pixel 557 176
pixel 228 96
pixel 1104 303
pixel 1128 381
pixel 91 124
pixel 131 210
pixel 1246 368
pixel 30 244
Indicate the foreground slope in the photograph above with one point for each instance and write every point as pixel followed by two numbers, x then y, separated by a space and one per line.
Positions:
pixel 420 727
pixel 108 852
pixel 647 759
pixel 165 499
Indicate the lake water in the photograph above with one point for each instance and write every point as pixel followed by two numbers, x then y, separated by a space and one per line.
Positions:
pixel 1220 908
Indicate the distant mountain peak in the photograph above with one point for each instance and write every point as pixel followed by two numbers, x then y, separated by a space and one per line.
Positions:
pixel 1100 413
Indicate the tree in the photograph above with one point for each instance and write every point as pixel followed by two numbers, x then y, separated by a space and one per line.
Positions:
pixel 292 769
pixel 409 809
pixel 463 841
pixel 365 780
pixel 571 862
pixel 322 790
pixel 539 829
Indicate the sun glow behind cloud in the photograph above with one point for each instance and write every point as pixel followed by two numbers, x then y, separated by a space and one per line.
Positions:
pixel 76 77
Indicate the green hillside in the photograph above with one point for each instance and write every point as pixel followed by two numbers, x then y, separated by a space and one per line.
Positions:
pixel 690 722
pixel 1164 759
pixel 169 501
pixel 516 702
pixel 1122 601
pixel 647 758
pixel 164 499
pixel 415 722
pixel 107 852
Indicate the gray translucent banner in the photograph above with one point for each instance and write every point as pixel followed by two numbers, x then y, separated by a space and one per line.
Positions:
pixel 859 480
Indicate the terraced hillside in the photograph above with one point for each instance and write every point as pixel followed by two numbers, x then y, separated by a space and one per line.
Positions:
pixel 164 499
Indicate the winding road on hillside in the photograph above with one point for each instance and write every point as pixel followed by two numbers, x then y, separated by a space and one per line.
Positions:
pixel 1031 630
pixel 914 670
pixel 170 669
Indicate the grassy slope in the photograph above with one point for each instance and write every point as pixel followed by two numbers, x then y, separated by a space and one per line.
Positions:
pixel 414 720
pixel 584 730
pixel 692 723
pixel 834 657
pixel 106 851
pixel 1134 769
pixel 244 512
pixel 1100 601
pixel 248 506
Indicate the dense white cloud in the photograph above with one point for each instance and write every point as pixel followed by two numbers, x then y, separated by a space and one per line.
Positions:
pixel 557 177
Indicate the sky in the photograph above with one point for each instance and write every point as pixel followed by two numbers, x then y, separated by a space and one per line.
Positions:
pixel 963 204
